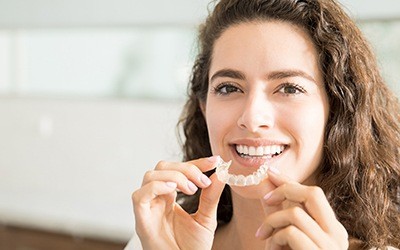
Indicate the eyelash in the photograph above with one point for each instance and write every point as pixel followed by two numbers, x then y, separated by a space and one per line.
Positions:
pixel 218 89
pixel 299 89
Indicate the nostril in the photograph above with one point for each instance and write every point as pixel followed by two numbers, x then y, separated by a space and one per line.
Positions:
pixel 255 121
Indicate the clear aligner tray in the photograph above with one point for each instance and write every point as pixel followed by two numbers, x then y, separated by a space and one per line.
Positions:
pixel 239 180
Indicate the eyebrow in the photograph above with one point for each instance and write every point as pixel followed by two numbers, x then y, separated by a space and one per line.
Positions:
pixel 230 73
pixel 274 75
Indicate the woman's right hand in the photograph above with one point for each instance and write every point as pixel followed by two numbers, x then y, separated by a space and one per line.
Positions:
pixel 160 222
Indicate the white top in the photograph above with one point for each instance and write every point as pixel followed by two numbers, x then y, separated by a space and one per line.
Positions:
pixel 134 243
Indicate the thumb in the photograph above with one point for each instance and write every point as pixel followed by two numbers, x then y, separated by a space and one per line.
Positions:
pixel 206 214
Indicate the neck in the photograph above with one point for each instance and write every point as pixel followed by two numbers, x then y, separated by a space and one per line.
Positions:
pixel 248 216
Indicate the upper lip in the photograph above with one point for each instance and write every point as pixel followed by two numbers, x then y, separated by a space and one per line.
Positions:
pixel 257 142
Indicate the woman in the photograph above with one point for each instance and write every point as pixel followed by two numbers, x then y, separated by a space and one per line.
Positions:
pixel 293 85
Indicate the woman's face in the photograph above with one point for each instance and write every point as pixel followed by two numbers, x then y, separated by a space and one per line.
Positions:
pixel 266 98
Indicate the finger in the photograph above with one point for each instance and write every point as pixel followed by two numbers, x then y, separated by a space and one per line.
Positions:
pixel 295 216
pixel 294 238
pixel 192 169
pixel 276 177
pixel 146 194
pixel 208 204
pixel 206 164
pixel 313 199
pixel 203 164
pixel 142 201
pixel 183 183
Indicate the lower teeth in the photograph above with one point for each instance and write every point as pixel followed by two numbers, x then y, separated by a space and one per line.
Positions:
pixel 240 180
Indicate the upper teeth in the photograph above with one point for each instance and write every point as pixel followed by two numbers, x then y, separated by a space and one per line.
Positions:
pixel 260 151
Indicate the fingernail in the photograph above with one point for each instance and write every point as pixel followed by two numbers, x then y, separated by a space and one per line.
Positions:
pixel 192 187
pixel 267 196
pixel 274 170
pixel 171 184
pixel 205 180
pixel 214 158
pixel 258 233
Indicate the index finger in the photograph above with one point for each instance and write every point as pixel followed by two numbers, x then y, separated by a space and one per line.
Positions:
pixel 313 199
pixel 206 164
pixel 192 170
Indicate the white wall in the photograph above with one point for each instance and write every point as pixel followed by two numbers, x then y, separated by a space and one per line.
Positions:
pixel 71 165
pixel 373 9
pixel 59 13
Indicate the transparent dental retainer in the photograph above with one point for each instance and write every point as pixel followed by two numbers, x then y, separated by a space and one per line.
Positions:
pixel 255 178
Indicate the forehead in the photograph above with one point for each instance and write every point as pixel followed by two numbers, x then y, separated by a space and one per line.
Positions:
pixel 267 45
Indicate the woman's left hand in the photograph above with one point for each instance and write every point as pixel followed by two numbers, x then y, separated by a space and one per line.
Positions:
pixel 299 217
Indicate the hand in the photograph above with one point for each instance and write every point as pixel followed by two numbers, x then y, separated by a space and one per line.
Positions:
pixel 301 219
pixel 160 222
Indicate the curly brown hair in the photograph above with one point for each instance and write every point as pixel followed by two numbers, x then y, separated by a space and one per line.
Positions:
pixel 359 172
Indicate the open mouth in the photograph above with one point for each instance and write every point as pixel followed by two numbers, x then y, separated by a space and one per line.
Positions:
pixel 260 153
pixel 266 152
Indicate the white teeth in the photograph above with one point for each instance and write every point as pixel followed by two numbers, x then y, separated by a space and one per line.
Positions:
pixel 259 151
pixel 252 151
pixel 240 148
pixel 267 150
pixel 240 180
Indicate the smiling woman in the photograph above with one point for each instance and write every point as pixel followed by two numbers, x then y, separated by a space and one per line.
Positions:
pixel 275 101
pixel 287 91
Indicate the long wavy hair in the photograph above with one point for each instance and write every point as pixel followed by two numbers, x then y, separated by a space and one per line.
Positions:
pixel 359 171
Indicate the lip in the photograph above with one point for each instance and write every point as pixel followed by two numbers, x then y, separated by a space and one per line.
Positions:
pixel 257 142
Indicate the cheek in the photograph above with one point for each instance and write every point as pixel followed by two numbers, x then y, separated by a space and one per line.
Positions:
pixel 310 128
pixel 220 121
pixel 214 125
pixel 214 132
pixel 306 125
pixel 307 122
pixel 314 126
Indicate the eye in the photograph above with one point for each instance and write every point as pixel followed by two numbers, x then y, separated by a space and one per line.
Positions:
pixel 226 89
pixel 291 89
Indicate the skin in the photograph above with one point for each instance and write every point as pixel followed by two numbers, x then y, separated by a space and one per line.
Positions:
pixel 266 87
pixel 260 108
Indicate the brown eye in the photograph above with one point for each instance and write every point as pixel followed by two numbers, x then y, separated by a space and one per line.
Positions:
pixel 291 89
pixel 226 89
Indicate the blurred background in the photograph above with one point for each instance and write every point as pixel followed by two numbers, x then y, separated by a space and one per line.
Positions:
pixel 90 93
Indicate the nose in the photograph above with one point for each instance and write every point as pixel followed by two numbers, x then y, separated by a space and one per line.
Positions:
pixel 257 114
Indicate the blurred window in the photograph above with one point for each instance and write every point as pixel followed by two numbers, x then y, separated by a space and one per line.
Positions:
pixel 385 36
pixel 143 62
pixel 137 62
